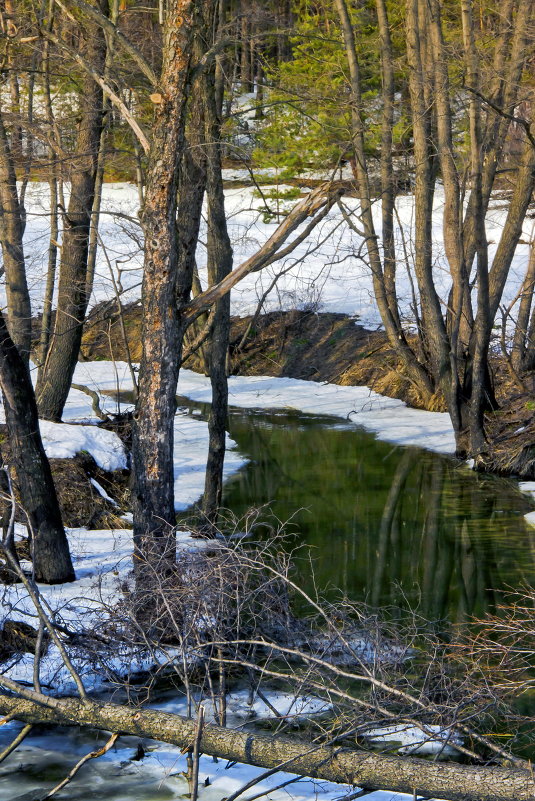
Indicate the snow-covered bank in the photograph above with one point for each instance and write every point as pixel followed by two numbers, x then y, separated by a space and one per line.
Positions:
pixel 529 488
pixel 390 419
pixel 103 558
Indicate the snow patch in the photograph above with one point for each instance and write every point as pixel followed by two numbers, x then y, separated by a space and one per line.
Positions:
pixel 63 441
pixel 412 740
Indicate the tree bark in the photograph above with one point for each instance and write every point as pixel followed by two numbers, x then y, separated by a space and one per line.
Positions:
pixel 220 256
pixel 152 446
pixel 51 559
pixel 383 278
pixel 55 377
pixel 11 233
pixel 521 344
pixel 420 84
pixel 446 780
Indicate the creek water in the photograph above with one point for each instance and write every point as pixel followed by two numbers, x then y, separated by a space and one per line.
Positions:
pixel 392 526
pixel 397 527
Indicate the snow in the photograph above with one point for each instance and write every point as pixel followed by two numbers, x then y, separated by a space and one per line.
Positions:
pixel 326 275
pixel 190 434
pixel 240 707
pixel 103 558
pixel 527 487
pixel 102 492
pixel 326 272
pixel 411 740
pixel 62 441
pixel 391 419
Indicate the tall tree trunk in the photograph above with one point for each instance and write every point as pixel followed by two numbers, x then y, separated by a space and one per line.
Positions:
pixel 509 60
pixel 246 73
pixel 11 233
pixel 219 252
pixel 421 89
pixel 520 340
pixel 55 194
pixel 388 188
pixel 479 359
pixel 384 300
pixel 51 559
pixel 152 447
pixel 54 381
pixel 529 357
pixel 191 189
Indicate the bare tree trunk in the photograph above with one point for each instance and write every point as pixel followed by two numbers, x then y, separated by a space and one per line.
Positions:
pixel 246 65
pixel 385 301
pixel 512 230
pixel 285 22
pixel 55 378
pixel 51 559
pixel 364 769
pixel 452 232
pixel 191 190
pixel 152 447
pixel 529 358
pixel 220 62
pixel 56 197
pixel 11 233
pixel 219 252
pixel 388 188
pixel 479 365
pixel 520 340
pixel 509 60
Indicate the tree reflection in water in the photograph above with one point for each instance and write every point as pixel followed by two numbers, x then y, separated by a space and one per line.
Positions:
pixel 393 526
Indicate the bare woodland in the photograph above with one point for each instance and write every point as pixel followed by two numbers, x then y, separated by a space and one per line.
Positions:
pixel 149 91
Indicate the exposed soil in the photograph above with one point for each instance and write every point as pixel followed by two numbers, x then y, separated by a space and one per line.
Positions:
pixel 80 502
pixel 296 344
pixel 334 348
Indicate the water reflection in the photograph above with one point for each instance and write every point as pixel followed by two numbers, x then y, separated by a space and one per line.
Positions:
pixel 393 526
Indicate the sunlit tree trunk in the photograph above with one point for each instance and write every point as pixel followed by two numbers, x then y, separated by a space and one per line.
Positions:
pixel 11 233
pixel 384 289
pixel 152 449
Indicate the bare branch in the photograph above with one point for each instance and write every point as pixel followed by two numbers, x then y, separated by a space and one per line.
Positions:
pixel 125 43
pixel 315 205
pixel 115 99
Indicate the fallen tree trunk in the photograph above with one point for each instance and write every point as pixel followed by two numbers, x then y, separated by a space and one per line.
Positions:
pixel 444 780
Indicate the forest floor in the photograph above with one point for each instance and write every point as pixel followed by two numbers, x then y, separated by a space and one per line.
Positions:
pixel 334 348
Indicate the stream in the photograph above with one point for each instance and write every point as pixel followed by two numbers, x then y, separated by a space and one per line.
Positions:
pixel 392 526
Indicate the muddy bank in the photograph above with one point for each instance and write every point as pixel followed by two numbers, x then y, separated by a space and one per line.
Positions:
pixel 336 349
pixel 294 344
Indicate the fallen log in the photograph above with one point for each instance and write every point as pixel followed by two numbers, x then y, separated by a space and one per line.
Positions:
pixel 442 780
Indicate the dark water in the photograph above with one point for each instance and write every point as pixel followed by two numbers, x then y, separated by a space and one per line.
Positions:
pixel 389 525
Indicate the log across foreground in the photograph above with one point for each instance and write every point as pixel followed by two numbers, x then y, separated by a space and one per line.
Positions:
pixel 441 780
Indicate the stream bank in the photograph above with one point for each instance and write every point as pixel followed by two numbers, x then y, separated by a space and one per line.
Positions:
pixel 336 349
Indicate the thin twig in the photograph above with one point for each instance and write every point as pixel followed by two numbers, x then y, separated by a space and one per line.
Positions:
pixel 92 755
pixel 23 733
